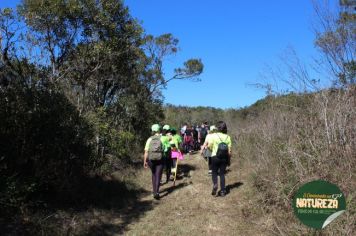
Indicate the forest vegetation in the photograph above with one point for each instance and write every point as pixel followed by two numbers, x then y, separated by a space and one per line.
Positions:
pixel 73 127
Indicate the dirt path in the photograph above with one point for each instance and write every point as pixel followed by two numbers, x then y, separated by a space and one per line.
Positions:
pixel 189 209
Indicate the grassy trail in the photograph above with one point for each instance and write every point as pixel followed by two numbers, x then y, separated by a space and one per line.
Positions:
pixel 189 209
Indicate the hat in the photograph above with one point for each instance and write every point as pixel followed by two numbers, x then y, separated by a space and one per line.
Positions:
pixel 166 127
pixel 213 127
pixel 155 128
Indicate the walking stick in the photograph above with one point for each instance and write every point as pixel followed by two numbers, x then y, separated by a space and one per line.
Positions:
pixel 175 172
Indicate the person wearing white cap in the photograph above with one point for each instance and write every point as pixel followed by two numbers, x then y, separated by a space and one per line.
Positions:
pixel 205 150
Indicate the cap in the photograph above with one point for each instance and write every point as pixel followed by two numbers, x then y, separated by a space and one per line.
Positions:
pixel 213 127
pixel 155 128
pixel 166 127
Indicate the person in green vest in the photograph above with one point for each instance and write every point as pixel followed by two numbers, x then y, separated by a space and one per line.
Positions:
pixel 220 144
pixel 167 160
pixel 153 158
pixel 176 138
pixel 176 144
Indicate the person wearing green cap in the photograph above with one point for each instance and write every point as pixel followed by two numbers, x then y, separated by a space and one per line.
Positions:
pixel 167 160
pixel 153 158
pixel 176 138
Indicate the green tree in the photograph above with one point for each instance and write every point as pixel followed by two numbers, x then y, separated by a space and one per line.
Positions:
pixel 157 50
pixel 336 38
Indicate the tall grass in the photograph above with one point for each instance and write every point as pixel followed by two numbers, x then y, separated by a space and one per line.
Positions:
pixel 300 138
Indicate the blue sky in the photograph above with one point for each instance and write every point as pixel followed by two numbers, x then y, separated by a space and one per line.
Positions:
pixel 235 40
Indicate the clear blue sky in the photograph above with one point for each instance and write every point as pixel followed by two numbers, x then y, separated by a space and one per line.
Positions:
pixel 235 40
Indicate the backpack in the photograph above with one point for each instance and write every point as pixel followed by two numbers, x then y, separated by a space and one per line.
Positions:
pixel 155 148
pixel 223 149
pixel 203 133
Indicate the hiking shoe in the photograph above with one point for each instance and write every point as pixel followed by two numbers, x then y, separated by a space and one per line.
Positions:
pixel 222 193
pixel 214 191
pixel 156 196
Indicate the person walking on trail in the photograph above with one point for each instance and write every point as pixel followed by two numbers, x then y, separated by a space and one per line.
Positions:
pixel 153 158
pixel 177 139
pixel 183 129
pixel 220 144
pixel 167 160
pixel 175 145
pixel 188 140
pixel 203 132
pixel 205 150
pixel 196 145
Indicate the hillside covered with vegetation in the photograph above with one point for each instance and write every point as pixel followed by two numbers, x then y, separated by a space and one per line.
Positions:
pixel 285 141
pixel 80 86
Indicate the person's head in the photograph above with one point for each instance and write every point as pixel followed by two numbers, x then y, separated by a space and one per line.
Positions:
pixel 212 129
pixel 173 131
pixel 155 128
pixel 166 127
pixel 221 126
pixel 173 145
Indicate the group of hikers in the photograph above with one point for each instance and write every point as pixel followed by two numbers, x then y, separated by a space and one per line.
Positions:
pixel 166 147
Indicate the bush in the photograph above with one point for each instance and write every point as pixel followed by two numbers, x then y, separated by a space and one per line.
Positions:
pixel 292 143
pixel 45 144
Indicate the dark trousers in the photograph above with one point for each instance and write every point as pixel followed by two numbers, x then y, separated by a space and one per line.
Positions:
pixel 209 163
pixel 207 155
pixel 167 164
pixel 218 166
pixel 156 169
pixel 174 162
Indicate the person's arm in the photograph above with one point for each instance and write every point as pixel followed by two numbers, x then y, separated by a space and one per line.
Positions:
pixel 204 146
pixel 230 149
pixel 145 156
pixel 230 153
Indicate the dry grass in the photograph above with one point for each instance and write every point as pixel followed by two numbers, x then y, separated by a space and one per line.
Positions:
pixel 128 208
pixel 189 209
pixel 292 143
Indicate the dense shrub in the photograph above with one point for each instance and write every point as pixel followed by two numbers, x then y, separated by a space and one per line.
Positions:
pixel 44 142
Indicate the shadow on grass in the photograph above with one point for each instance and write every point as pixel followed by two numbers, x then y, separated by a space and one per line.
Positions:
pixel 93 206
pixel 169 190
pixel 184 170
pixel 127 216
pixel 232 186
pixel 120 200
